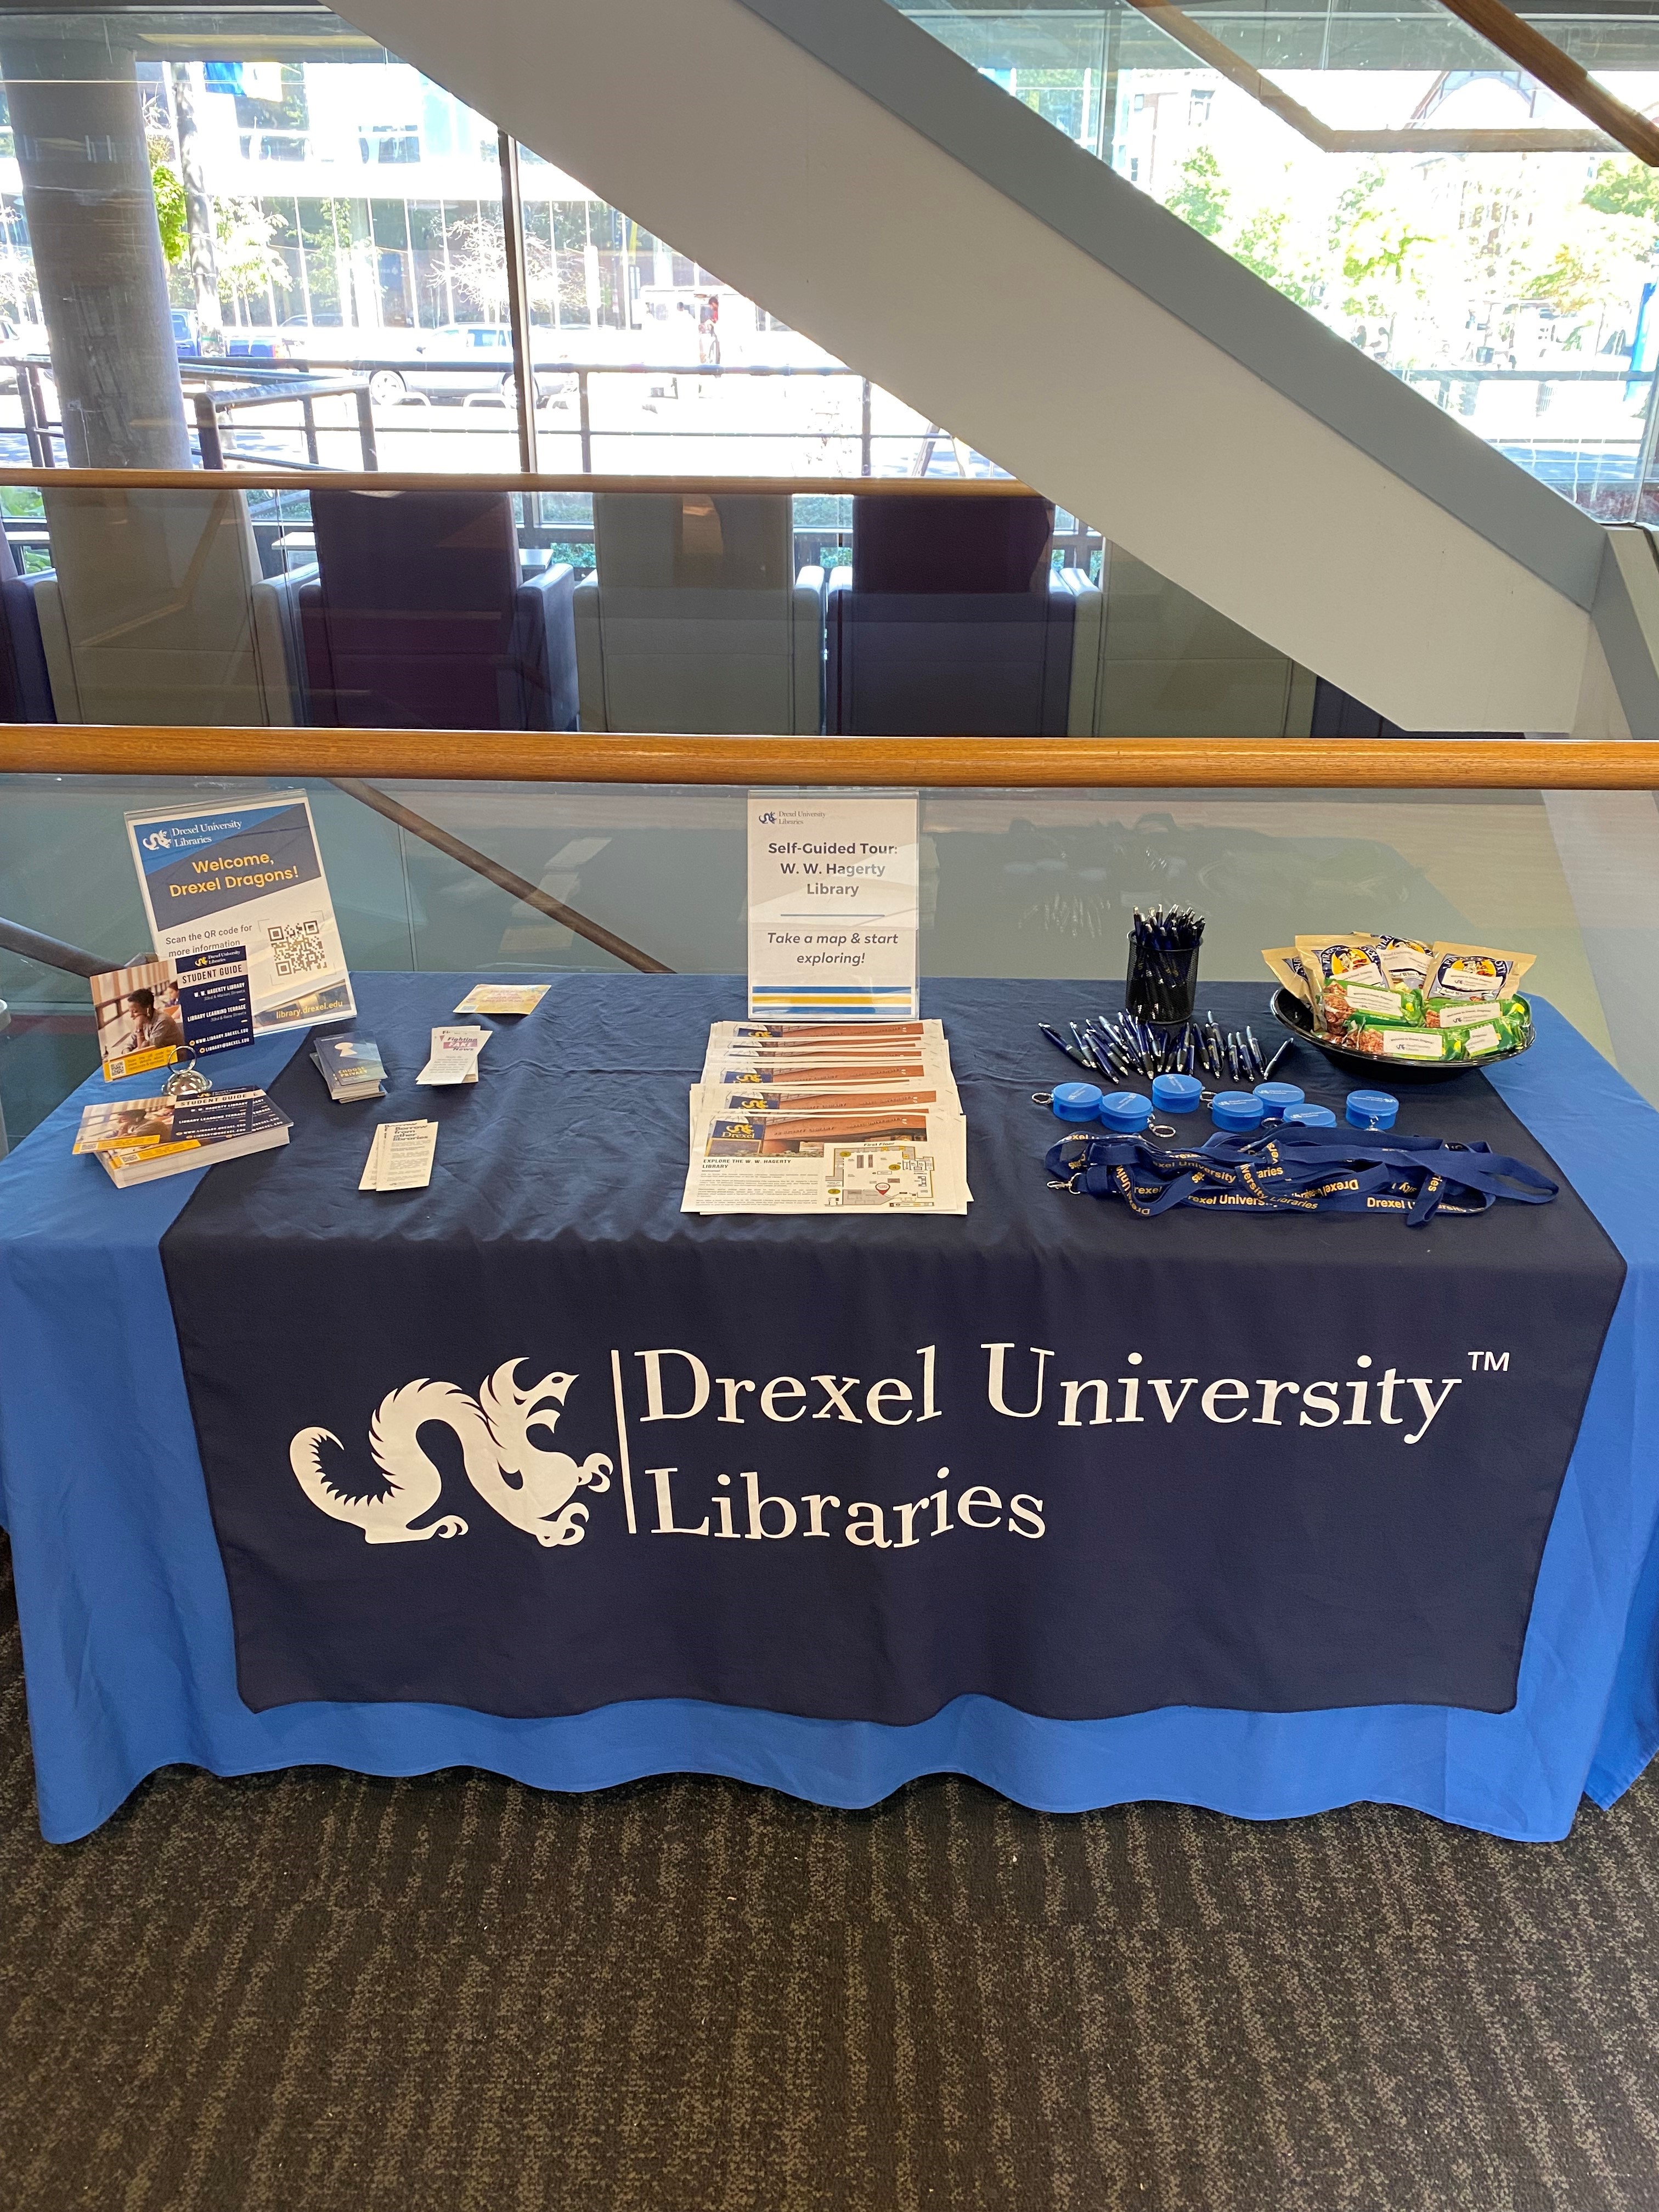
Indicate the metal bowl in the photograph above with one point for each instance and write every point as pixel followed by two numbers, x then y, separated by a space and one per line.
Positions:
pixel 1292 1014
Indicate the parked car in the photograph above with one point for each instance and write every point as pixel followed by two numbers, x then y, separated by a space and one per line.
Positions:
pixel 457 363
pixel 460 360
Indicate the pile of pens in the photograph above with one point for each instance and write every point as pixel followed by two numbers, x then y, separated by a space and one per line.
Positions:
pixel 1120 1045
pixel 1163 962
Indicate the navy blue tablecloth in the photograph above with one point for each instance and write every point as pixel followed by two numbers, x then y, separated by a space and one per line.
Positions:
pixel 129 1642
pixel 1051 1453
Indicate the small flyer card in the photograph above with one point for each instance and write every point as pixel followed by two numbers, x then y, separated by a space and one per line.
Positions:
pixel 401 1156
pixel 453 1055
pixel 157 1012
pixel 352 1067
pixel 503 998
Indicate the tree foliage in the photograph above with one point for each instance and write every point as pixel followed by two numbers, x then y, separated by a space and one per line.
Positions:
pixel 172 209
pixel 1200 198
pixel 1627 187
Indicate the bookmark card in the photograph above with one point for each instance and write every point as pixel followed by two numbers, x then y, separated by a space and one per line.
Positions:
pixel 503 998
pixel 453 1056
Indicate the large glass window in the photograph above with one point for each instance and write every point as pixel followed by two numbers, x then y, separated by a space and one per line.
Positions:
pixel 1399 177
pixel 323 281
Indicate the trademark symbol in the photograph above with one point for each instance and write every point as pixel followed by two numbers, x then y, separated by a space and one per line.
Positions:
pixel 1489 1363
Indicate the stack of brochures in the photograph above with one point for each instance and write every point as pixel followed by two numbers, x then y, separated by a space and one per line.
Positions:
pixel 401 1156
pixel 827 1118
pixel 453 1057
pixel 141 1140
pixel 352 1067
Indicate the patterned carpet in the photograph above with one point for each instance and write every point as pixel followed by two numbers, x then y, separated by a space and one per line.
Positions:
pixel 455 1993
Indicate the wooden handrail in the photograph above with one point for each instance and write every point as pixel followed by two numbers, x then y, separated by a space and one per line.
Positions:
pixel 1526 46
pixel 1203 45
pixel 257 479
pixel 957 763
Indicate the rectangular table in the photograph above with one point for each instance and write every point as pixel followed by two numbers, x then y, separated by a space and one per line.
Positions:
pixel 1082 1610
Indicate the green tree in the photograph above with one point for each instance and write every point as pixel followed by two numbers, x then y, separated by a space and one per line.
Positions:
pixel 1200 198
pixel 1262 245
pixel 1625 188
pixel 171 212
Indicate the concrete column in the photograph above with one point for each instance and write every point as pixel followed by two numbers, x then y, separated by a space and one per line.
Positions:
pixel 78 125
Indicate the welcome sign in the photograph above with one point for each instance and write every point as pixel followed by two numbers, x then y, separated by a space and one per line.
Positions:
pixel 248 875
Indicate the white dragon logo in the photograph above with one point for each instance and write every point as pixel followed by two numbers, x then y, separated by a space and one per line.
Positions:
pixel 532 1488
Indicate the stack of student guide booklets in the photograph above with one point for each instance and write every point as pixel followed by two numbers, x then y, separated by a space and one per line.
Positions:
pixel 827 1118
pixel 141 1140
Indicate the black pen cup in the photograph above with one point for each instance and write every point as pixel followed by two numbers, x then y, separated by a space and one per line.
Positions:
pixel 1161 981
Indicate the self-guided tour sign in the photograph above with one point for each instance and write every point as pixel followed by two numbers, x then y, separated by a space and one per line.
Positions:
pixel 832 907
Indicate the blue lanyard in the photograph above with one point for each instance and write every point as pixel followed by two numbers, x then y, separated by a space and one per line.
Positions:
pixel 1297 1170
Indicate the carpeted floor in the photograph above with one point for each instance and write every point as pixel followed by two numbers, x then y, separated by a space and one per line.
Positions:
pixel 410 1997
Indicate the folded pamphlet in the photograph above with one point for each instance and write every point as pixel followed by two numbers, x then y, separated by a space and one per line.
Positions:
pixel 453 1055
pixel 401 1156
pixel 807 1120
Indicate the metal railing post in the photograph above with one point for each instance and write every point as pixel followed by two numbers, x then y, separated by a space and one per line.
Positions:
pixel 207 431
pixel 366 428
pixel 308 417
pixel 585 421
pixel 34 416
pixel 517 298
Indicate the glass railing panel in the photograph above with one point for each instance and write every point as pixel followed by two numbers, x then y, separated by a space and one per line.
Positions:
pixel 232 598
pixel 1037 885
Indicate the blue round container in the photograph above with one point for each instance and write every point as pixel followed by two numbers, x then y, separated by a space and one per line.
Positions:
pixel 1177 1094
pixel 1075 1101
pixel 1279 1097
pixel 1311 1117
pixel 1371 1109
pixel 1238 1109
pixel 1125 1112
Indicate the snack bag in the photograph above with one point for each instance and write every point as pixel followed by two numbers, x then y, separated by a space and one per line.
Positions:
pixel 1386 1040
pixel 1284 963
pixel 1350 962
pixel 1402 1008
pixel 1506 1027
pixel 1475 971
pixel 1404 961
pixel 1468 1013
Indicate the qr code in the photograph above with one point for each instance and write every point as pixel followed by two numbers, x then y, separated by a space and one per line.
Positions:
pixel 296 949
